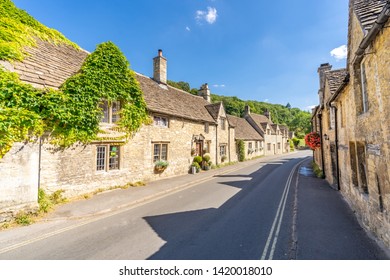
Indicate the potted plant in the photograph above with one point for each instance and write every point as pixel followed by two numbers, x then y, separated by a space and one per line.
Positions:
pixel 223 158
pixel 160 166
pixel 195 167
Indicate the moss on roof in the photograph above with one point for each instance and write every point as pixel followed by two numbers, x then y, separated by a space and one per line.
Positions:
pixel 18 30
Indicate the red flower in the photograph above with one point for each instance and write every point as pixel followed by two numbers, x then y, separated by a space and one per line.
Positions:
pixel 313 140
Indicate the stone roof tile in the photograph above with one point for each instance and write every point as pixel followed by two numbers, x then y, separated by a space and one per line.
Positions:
pixel 49 65
pixel 243 130
pixel 335 79
pixel 368 11
pixel 171 101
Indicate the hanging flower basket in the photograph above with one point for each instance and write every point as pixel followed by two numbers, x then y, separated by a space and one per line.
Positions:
pixel 160 166
pixel 313 140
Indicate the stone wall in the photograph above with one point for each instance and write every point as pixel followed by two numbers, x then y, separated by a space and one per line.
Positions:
pixel 74 170
pixel 365 136
pixel 19 180
pixel 255 152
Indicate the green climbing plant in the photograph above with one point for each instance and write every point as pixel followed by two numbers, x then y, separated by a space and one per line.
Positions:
pixel 72 113
pixel 19 30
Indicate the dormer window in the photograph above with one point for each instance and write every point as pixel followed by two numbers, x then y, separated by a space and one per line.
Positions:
pixel 110 111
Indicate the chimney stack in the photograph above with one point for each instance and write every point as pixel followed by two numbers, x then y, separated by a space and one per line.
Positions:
pixel 247 110
pixel 205 92
pixel 267 114
pixel 322 70
pixel 160 68
pixel 325 67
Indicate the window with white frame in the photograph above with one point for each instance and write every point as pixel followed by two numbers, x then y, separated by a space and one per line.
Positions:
pixel 107 157
pixel 110 111
pixel 160 121
pixel 160 151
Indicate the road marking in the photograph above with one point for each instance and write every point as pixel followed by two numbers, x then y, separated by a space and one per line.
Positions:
pixel 275 229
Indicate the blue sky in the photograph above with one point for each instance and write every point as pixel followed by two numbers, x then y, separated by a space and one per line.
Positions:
pixel 253 49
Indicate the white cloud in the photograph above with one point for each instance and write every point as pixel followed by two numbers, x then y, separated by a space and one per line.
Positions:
pixel 266 100
pixel 340 52
pixel 310 107
pixel 187 28
pixel 210 16
pixel 222 86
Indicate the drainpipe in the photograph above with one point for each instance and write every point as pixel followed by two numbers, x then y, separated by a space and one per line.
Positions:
pixel 322 146
pixel 216 144
pixel 336 132
pixel 39 162
pixel 229 142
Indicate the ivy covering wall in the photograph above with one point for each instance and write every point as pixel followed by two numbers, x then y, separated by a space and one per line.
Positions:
pixel 72 113
pixel 18 29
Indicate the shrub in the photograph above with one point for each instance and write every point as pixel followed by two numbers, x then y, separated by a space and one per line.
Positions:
pixel 241 150
pixel 23 218
pixel 198 159
pixel 206 158
pixel 317 170
pixel 45 204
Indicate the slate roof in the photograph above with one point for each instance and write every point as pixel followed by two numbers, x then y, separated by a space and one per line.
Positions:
pixel 243 130
pixel 368 11
pixel 172 101
pixel 49 65
pixel 335 79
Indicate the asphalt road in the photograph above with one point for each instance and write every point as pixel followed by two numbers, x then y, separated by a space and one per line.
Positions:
pixel 263 211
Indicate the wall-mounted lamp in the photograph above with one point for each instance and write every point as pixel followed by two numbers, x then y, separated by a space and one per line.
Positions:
pixel 326 137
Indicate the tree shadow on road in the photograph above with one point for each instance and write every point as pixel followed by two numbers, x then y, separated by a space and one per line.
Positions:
pixel 211 233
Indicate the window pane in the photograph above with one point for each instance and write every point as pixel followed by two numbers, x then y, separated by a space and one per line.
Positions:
pixel 222 150
pixel 115 111
pixel 114 157
pixel 104 108
pixel 101 158
pixel 159 121
pixel 156 154
pixel 164 151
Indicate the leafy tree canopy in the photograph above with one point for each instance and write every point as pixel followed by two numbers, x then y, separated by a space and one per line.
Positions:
pixel 295 119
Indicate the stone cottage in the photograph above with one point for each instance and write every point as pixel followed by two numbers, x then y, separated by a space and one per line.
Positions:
pixel 182 125
pixel 325 120
pixel 275 141
pixel 361 118
pixel 253 141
